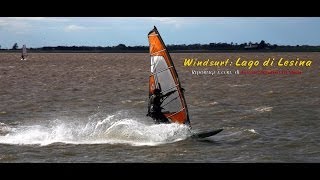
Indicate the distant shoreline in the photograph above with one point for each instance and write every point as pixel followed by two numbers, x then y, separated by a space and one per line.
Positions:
pixel 219 47
pixel 173 51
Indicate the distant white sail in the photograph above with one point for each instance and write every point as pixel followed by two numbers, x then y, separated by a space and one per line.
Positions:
pixel 24 53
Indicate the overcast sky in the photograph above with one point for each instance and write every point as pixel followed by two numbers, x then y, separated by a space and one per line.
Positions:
pixel 111 31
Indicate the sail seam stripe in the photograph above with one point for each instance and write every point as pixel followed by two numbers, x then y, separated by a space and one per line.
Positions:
pixel 158 52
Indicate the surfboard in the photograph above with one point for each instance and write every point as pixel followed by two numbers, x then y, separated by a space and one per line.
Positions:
pixel 205 134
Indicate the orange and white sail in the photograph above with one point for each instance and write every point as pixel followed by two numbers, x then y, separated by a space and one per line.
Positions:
pixel 164 77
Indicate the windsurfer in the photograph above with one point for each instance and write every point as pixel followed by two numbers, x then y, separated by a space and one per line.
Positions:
pixel 154 106
pixel 24 53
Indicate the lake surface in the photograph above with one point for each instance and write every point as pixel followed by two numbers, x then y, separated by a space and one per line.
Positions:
pixel 92 108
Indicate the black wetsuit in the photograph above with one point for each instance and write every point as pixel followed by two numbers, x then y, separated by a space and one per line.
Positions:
pixel 154 108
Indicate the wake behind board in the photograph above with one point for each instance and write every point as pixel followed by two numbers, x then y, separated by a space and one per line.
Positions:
pixel 205 134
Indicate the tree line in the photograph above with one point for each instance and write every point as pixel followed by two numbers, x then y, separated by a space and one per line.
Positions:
pixel 261 46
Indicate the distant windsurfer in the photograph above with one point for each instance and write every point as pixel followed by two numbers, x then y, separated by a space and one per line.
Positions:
pixel 24 53
pixel 154 106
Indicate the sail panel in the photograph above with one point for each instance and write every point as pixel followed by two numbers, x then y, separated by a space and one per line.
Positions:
pixel 178 117
pixel 163 79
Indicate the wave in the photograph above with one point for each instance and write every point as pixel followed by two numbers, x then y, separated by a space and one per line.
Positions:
pixel 237 135
pixel 251 131
pixel 4 129
pixel 238 85
pixel 113 129
pixel 263 109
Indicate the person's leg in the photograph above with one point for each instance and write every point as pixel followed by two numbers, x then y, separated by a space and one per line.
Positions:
pixel 159 118
pixel 155 117
pixel 163 118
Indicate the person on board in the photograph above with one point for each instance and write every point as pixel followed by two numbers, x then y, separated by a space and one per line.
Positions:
pixel 154 106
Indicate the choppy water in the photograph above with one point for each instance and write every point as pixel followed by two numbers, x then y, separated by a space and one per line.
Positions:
pixel 91 108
